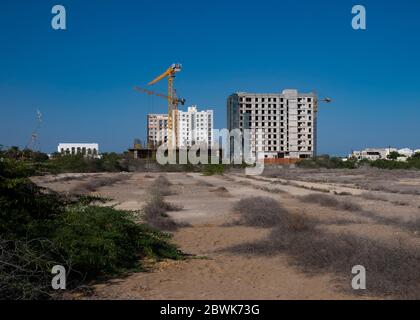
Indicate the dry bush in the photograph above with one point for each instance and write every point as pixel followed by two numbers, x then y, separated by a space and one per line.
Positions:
pixel 301 222
pixel 261 212
pixel 227 178
pixel 271 190
pixel 155 214
pixel 392 270
pixel 413 225
pixel 317 189
pixel 221 191
pixel 25 268
pixel 97 182
pixel 331 202
pixel 203 183
pixel 339 221
pixel 156 208
pixel 161 186
pixel 372 196
pixel 343 193
pixel 245 183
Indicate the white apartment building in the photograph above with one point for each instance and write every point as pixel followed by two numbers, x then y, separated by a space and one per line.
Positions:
pixel 157 129
pixel 287 121
pixel 195 127
pixel 86 149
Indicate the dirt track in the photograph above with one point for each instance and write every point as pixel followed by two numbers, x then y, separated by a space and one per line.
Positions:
pixel 216 272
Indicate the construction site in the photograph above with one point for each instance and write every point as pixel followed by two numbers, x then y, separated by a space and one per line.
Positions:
pixel 295 230
pixel 282 127
pixel 209 156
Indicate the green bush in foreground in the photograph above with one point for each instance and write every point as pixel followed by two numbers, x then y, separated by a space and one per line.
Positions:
pixel 39 229
pixel 101 240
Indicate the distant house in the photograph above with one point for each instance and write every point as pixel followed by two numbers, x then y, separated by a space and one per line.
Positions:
pixel 86 149
pixel 382 153
pixel 372 153
pixel 406 152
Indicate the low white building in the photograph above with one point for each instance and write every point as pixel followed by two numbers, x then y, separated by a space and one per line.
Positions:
pixel 372 153
pixel 382 153
pixel 195 127
pixel 406 152
pixel 86 149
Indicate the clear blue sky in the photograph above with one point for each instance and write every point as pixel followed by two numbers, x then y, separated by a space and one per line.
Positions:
pixel 82 78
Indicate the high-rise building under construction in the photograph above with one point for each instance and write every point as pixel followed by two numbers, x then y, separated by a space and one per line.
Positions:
pixel 281 125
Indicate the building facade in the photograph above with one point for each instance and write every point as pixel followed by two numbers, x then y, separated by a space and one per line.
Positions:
pixel 157 130
pixel 382 153
pixel 195 127
pixel 86 149
pixel 281 125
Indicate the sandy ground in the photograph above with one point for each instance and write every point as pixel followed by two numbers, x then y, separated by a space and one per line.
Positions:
pixel 216 273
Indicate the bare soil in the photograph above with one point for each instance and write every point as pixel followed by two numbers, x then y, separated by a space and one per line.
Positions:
pixel 207 202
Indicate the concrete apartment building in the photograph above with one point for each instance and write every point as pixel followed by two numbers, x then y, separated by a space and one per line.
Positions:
pixel 287 120
pixel 194 127
pixel 86 149
pixel 157 129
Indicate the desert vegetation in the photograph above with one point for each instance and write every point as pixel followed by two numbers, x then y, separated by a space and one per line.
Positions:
pixel 330 201
pixel 325 161
pixel 156 208
pixel 94 183
pixel 40 228
pixel 393 269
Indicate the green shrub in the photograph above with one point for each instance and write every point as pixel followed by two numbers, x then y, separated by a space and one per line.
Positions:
pixel 328 162
pixel 102 240
pixel 211 169
pixel 25 209
pixel 39 229
pixel 391 164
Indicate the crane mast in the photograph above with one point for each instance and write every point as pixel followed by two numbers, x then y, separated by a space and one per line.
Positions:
pixel 172 103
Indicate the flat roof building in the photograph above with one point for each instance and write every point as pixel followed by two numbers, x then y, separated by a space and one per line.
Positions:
pixel 287 121
pixel 195 127
pixel 86 149
pixel 157 130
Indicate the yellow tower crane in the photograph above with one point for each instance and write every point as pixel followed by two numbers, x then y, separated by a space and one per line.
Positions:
pixel 172 103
